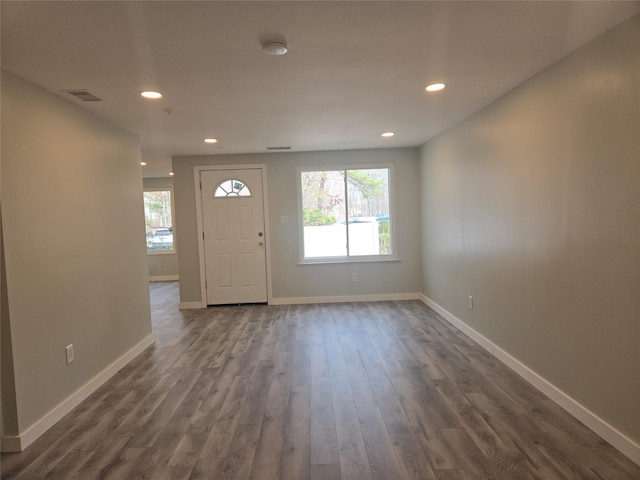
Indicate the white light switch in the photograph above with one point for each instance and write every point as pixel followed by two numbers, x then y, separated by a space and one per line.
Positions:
pixel 69 351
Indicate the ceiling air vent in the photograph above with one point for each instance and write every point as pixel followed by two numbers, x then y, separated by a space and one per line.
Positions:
pixel 83 95
pixel 280 148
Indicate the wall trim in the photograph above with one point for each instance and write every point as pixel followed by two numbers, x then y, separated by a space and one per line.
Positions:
pixel 11 444
pixel 381 297
pixel 163 278
pixel 32 433
pixel 190 305
pixel 608 432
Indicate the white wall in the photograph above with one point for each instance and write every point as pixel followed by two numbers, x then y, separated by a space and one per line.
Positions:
pixel 74 243
pixel 290 280
pixel 532 206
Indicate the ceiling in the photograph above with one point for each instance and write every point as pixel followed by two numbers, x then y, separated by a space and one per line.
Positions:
pixel 355 69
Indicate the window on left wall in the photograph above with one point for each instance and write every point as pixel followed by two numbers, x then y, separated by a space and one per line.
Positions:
pixel 158 219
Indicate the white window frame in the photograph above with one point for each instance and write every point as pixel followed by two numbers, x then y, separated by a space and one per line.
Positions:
pixel 174 250
pixel 392 257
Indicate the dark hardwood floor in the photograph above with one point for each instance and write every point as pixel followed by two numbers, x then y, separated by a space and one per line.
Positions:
pixel 325 392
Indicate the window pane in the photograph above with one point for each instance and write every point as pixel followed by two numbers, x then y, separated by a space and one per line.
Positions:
pixel 369 220
pixel 364 214
pixel 323 205
pixel 158 221
pixel 232 188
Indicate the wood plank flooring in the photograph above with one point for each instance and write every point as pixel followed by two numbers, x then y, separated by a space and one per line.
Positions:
pixel 316 392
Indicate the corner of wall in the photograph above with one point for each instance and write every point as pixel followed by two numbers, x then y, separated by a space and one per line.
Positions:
pixel 8 405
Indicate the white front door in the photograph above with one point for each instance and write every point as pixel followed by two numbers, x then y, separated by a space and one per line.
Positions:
pixel 234 240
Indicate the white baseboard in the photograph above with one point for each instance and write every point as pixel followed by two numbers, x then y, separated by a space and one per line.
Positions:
pixel 11 444
pixel 382 297
pixel 191 305
pixel 163 278
pixel 26 438
pixel 609 433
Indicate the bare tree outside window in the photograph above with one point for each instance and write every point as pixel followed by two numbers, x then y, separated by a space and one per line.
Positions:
pixel 346 212
pixel 158 220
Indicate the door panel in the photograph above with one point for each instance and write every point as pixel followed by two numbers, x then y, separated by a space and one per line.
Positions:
pixel 224 271
pixel 248 270
pixel 246 223
pixel 222 223
pixel 234 242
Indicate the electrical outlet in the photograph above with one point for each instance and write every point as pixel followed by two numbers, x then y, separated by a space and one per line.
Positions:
pixel 69 350
pixel 354 277
pixel 470 302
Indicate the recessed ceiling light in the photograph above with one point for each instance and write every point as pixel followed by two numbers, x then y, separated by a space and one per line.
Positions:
pixel 275 48
pixel 143 163
pixel 435 87
pixel 151 95
pixel 210 140
pixel 171 174
pixel 388 134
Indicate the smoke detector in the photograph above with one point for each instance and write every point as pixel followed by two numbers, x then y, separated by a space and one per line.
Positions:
pixel 275 48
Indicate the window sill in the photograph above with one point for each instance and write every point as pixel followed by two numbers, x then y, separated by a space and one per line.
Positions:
pixel 161 252
pixel 343 260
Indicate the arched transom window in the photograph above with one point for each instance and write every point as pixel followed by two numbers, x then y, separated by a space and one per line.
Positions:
pixel 232 188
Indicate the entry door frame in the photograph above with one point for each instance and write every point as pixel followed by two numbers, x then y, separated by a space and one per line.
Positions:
pixel 200 222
